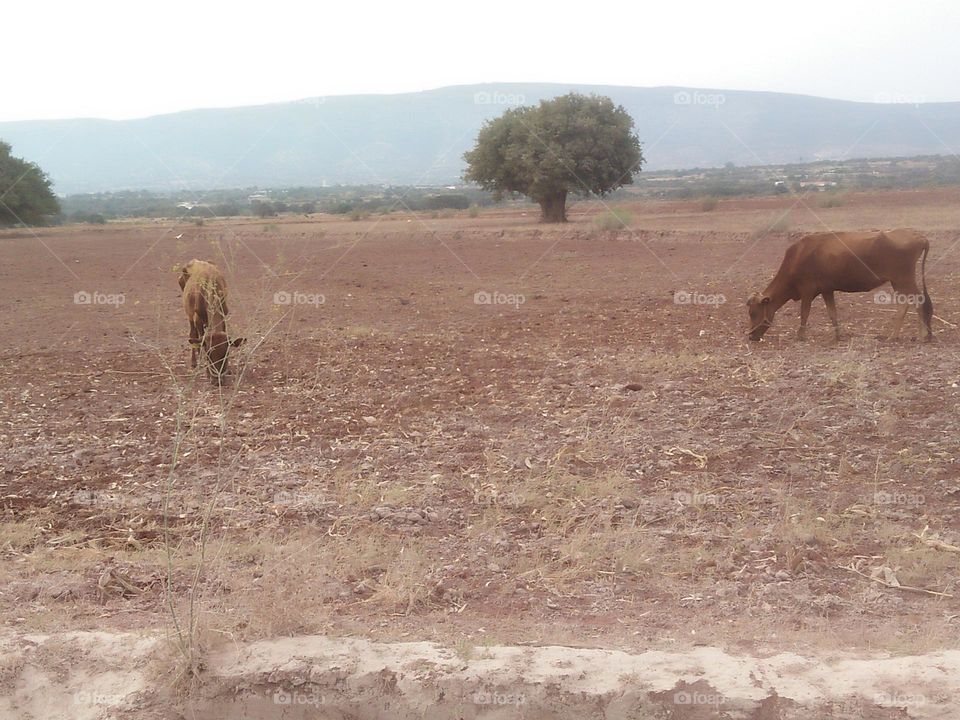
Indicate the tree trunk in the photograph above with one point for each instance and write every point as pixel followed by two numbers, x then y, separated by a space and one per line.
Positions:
pixel 553 208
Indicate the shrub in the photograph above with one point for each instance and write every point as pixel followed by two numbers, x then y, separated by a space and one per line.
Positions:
pixel 33 202
pixel 264 209
pixel 227 209
pixel 441 202
pixel 90 218
pixel 830 200
pixel 782 225
pixel 708 204
pixel 614 220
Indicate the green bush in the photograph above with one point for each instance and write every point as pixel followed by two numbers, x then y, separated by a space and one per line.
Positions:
pixel 26 190
pixel 830 200
pixel 449 201
pixel 227 209
pixel 89 218
pixel 781 225
pixel 264 209
pixel 614 220
pixel 708 204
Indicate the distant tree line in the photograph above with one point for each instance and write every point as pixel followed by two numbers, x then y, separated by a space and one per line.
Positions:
pixel 265 203
pixel 856 174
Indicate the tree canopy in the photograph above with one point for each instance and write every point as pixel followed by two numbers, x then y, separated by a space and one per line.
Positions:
pixel 25 194
pixel 572 144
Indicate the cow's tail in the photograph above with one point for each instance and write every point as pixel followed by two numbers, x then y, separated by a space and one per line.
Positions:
pixel 927 308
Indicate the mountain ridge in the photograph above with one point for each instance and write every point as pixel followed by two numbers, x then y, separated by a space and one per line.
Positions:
pixel 420 137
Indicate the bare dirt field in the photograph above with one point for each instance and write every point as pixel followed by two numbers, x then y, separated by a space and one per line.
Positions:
pixel 429 435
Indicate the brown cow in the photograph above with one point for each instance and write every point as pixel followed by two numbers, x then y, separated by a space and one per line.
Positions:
pixel 824 263
pixel 205 303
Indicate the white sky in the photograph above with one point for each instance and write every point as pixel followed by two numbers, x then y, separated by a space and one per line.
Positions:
pixel 132 59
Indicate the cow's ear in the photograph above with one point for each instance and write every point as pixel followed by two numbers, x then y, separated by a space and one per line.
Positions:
pixel 237 342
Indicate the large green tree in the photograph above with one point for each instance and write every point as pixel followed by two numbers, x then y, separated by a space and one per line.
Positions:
pixel 573 144
pixel 25 194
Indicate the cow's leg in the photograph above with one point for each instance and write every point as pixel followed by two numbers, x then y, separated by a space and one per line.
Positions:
pixel 926 332
pixel 904 293
pixel 194 344
pixel 805 303
pixel 898 321
pixel 828 300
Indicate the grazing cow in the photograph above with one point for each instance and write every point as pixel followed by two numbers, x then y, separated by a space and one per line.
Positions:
pixel 824 263
pixel 205 303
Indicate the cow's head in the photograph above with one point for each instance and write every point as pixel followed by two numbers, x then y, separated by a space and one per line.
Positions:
pixel 183 274
pixel 216 346
pixel 761 315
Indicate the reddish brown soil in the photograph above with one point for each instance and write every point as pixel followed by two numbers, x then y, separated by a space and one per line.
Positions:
pixel 730 497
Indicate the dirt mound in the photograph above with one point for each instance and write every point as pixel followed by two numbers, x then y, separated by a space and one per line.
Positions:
pixel 99 676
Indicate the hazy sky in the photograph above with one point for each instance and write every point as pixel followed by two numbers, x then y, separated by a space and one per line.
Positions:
pixel 131 59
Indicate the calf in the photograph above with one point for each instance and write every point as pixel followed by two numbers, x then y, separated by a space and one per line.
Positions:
pixel 825 263
pixel 205 303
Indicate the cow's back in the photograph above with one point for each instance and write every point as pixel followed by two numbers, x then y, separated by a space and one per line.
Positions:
pixel 905 240
pixel 853 261
pixel 204 290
